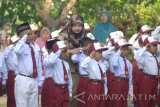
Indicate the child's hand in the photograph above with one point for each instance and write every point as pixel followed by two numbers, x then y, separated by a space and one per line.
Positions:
pixel 92 55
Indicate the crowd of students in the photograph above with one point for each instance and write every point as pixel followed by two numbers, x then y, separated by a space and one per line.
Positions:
pixel 106 77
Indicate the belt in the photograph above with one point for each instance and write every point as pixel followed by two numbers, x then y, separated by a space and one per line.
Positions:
pixel 83 75
pixel 96 81
pixel 151 76
pixel 62 86
pixel 10 71
pixel 141 70
pixel 122 78
pixel 26 75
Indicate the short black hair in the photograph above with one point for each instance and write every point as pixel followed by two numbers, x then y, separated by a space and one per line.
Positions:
pixel 85 41
pixel 139 28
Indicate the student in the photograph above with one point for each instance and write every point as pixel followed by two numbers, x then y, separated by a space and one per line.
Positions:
pixel 122 86
pixel 149 82
pixel 138 69
pixel 48 92
pixel 3 73
pixel 12 68
pixel 61 73
pixel 96 69
pixel 29 76
pixel 108 55
pixel 78 58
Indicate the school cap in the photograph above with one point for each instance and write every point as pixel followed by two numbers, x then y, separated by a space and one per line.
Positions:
pixel 22 27
pixel 123 43
pixel 59 45
pixel 97 47
pixel 146 29
pixel 50 42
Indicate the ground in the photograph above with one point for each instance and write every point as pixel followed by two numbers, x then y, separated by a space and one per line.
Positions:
pixel 3 101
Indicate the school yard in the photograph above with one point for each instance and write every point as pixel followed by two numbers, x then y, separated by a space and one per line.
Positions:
pixel 3 101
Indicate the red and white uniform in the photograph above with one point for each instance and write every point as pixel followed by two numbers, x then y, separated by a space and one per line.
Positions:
pixel 62 88
pixel 95 84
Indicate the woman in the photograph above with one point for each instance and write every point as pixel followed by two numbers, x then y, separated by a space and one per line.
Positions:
pixel 44 36
pixel 103 28
pixel 76 30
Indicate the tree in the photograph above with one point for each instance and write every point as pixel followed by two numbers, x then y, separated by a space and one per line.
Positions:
pixel 44 10
pixel 126 14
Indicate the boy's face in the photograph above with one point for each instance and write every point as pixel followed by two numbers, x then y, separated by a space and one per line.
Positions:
pixel 85 48
pixel 98 55
pixel 153 49
pixel 77 28
pixel 28 32
pixel 125 51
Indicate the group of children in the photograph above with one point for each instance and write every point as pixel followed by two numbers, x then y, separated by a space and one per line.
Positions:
pixel 107 77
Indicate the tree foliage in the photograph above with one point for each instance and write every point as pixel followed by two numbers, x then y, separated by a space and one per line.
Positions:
pixel 126 14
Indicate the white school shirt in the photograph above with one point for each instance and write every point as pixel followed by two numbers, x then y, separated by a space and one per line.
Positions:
pixel 48 69
pixel 24 58
pixel 108 55
pixel 92 68
pixel 11 59
pixel 3 69
pixel 136 55
pixel 78 58
pixel 55 64
pixel 148 61
pixel 119 67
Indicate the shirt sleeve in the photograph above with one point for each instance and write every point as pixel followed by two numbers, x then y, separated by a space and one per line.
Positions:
pixel 51 58
pixel 106 54
pixel 7 51
pixel 105 85
pixel 130 79
pixel 18 48
pixel 115 59
pixel 4 72
pixel 139 54
pixel 85 62
pixel 75 58
pixel 39 68
pixel 70 84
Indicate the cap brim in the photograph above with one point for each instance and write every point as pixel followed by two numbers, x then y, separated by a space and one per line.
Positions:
pixel 126 45
pixel 147 31
pixel 49 43
pixel 155 43
pixel 102 49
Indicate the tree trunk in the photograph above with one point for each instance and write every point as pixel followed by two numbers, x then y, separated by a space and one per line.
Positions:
pixel 44 11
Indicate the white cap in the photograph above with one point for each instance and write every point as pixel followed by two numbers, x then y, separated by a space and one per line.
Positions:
pixel 117 34
pixel 86 26
pixel 152 40
pixel 55 34
pixel 97 47
pixel 90 35
pixel 33 27
pixel 146 28
pixel 156 32
pixel 123 42
pixel 59 45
